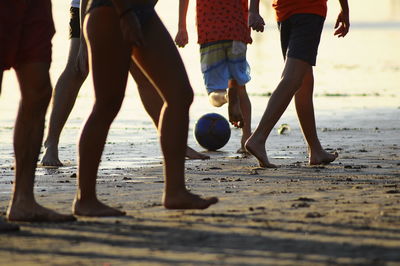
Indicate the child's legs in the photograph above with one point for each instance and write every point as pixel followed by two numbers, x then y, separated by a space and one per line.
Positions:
pixel 239 72
pixel 245 107
pixel 292 77
pixel 305 112
pixel 300 36
pixel 215 71
pixel 109 62
pixel 291 81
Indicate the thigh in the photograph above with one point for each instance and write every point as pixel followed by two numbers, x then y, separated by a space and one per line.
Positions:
pixel 37 33
pixel 109 55
pixel 161 61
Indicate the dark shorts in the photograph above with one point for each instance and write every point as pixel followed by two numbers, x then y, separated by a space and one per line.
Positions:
pixel 143 12
pixel 74 23
pixel 26 30
pixel 300 36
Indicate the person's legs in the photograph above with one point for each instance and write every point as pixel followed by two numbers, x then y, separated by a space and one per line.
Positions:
pixel 65 93
pixel 245 107
pixel 292 77
pixel 305 113
pixel 109 63
pixel 153 104
pixel 234 107
pixel 166 70
pixel 239 73
pixel 214 58
pixel 35 87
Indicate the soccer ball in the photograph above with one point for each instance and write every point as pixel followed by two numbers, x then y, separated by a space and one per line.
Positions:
pixel 212 131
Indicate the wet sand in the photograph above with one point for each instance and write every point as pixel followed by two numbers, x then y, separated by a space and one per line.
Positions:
pixel 345 213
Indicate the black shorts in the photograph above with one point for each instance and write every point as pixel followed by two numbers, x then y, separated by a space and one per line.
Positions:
pixel 143 12
pixel 300 36
pixel 74 23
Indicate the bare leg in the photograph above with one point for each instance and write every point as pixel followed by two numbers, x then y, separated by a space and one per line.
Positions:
pixel 234 111
pixel 153 104
pixel 166 70
pixel 291 81
pixel 305 112
pixel 245 107
pixel 35 87
pixel 109 63
pixel 64 97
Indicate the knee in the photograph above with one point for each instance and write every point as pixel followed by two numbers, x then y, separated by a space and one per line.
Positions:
pixel 74 72
pixel 37 99
pixel 181 98
pixel 107 109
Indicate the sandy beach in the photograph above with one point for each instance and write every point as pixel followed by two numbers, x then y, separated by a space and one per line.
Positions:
pixel 345 213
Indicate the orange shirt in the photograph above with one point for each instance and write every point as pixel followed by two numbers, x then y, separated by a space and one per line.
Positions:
pixel 222 20
pixel 285 8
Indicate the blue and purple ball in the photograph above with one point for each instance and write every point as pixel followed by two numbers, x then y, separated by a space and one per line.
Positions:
pixel 212 131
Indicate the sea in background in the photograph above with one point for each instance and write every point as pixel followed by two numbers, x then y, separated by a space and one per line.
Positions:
pixel 356 76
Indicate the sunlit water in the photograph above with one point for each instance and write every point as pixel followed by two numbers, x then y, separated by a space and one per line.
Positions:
pixel 355 76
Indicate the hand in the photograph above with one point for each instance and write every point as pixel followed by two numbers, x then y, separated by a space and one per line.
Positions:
pixel 256 22
pixel 342 25
pixel 131 29
pixel 81 63
pixel 181 38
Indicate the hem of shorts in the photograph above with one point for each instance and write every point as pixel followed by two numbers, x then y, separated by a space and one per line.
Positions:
pixel 303 59
pixel 31 61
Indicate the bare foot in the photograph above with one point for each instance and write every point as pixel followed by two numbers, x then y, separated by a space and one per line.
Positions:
pixel 193 155
pixel 50 157
pixel 187 200
pixel 33 212
pixel 234 111
pixel 94 208
pixel 7 227
pixel 258 151
pixel 242 149
pixel 322 157
pixel 218 98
